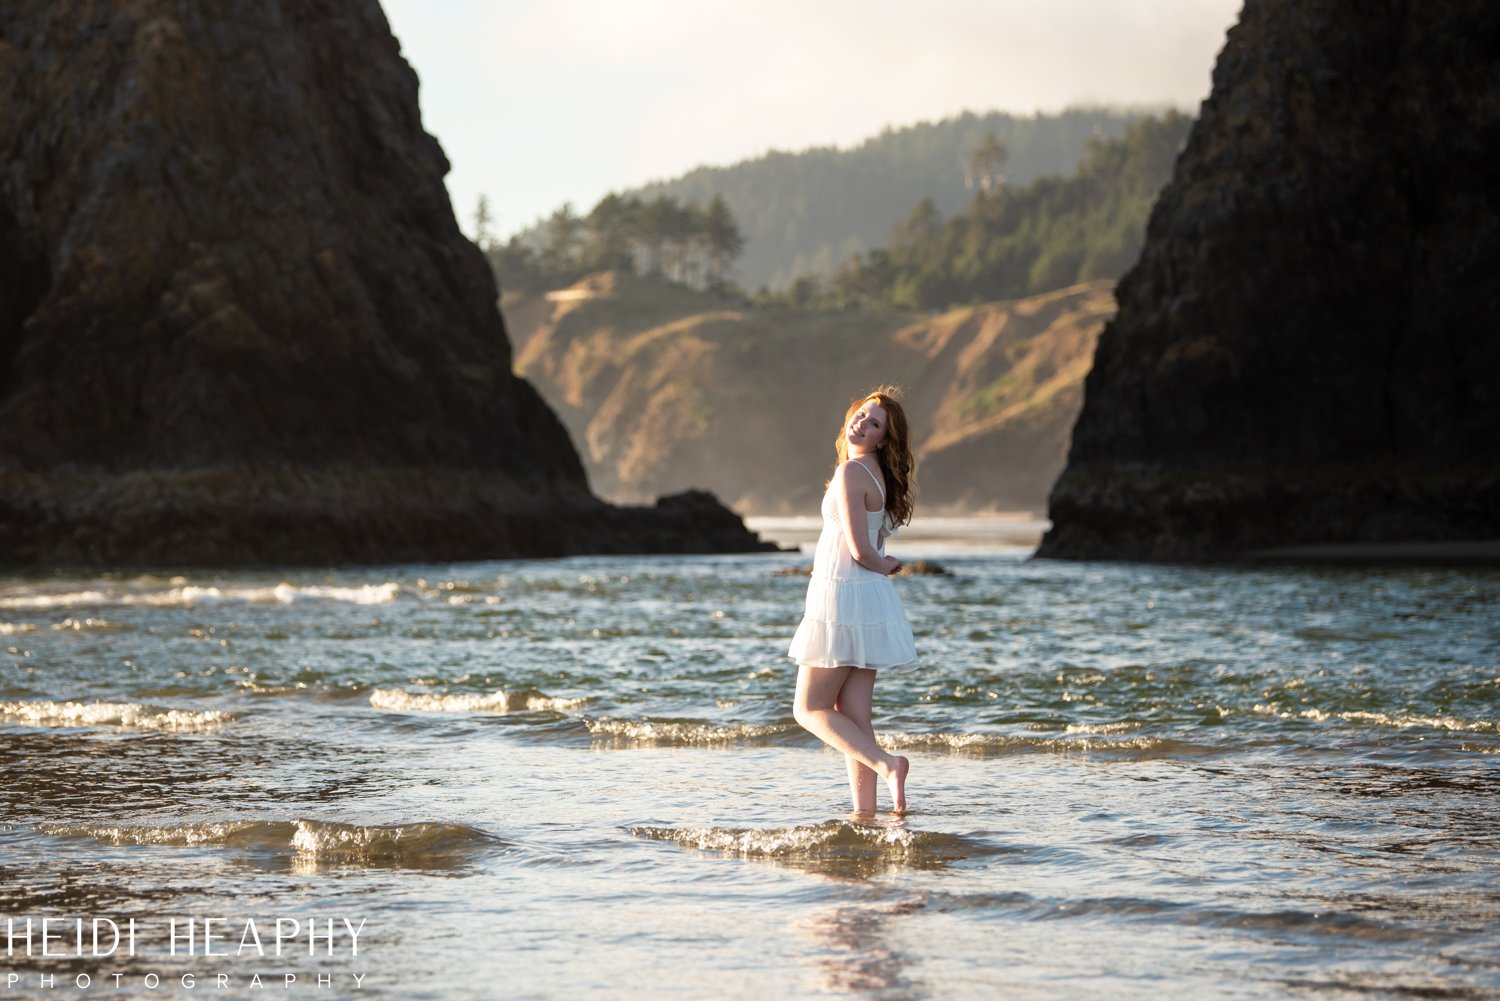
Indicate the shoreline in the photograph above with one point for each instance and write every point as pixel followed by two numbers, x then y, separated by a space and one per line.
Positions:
pixel 1468 551
pixel 977 533
pixel 990 533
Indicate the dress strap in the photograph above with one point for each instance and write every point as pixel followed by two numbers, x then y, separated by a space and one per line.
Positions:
pixel 878 485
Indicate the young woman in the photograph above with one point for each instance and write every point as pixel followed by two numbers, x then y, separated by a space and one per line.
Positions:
pixel 854 624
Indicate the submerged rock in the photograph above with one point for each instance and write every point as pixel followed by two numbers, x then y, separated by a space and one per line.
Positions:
pixel 238 321
pixel 1307 352
pixel 916 568
pixel 924 568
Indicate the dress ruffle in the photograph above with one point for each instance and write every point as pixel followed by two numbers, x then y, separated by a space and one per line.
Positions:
pixel 853 622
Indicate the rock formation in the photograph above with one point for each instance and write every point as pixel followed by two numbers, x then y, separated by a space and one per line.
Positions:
pixel 238 322
pixel 1307 350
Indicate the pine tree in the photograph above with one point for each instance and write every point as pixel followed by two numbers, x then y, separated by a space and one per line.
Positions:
pixel 724 240
pixel 986 166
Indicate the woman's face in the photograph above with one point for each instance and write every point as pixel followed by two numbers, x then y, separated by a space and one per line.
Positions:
pixel 866 429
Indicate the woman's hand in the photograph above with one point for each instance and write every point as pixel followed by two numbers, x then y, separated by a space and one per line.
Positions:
pixel 893 566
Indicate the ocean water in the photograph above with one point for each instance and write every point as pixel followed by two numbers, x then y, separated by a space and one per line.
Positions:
pixel 581 779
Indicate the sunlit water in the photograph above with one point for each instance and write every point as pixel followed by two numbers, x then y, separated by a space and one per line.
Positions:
pixel 581 779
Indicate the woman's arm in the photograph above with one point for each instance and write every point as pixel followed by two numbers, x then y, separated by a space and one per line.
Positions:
pixel 852 511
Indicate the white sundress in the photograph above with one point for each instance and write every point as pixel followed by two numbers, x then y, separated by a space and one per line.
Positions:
pixel 854 616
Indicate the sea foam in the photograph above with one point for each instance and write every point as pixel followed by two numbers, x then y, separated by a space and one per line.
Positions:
pixel 132 715
pixel 186 595
pixel 1400 721
pixel 418 845
pixel 526 700
pixel 836 845
pixel 672 733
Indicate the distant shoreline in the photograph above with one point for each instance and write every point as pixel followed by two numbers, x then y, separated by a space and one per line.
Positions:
pixel 980 533
pixel 1478 551
pixel 972 532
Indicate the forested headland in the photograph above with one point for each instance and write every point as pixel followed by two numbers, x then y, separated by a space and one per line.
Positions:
pixel 806 213
pixel 1009 241
pixel 1015 241
pixel 661 238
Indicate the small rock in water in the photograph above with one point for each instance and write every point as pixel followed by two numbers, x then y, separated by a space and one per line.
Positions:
pixel 916 568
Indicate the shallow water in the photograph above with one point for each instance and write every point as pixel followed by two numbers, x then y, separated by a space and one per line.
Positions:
pixel 581 778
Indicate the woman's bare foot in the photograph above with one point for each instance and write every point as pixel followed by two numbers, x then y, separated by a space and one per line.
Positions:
pixel 896 779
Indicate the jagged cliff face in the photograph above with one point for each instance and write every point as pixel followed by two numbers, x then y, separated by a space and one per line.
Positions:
pixel 234 242
pixel 233 293
pixel 1307 350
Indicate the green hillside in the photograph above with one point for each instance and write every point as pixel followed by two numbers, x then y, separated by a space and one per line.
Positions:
pixel 808 212
pixel 1016 240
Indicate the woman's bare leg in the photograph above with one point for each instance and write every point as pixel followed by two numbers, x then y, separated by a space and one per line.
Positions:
pixel 818 691
pixel 856 701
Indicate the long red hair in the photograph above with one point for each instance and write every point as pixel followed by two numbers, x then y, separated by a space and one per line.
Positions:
pixel 894 453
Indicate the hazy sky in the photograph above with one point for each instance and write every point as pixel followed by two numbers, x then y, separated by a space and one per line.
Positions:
pixel 540 102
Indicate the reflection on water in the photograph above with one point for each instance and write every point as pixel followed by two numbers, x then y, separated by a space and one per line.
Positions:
pixel 857 956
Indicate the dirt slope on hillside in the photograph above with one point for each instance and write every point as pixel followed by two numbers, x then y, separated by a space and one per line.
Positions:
pixel 664 388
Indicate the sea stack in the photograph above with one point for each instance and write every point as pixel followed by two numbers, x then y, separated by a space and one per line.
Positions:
pixel 1307 353
pixel 238 321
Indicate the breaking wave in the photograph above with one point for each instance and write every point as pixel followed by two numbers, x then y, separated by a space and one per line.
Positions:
pixel 1089 740
pixel 421 845
pixel 69 624
pixel 1399 721
pixel 407 845
pixel 682 733
pixel 188 594
pixel 246 834
pixel 132 715
pixel 835 844
pixel 526 700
